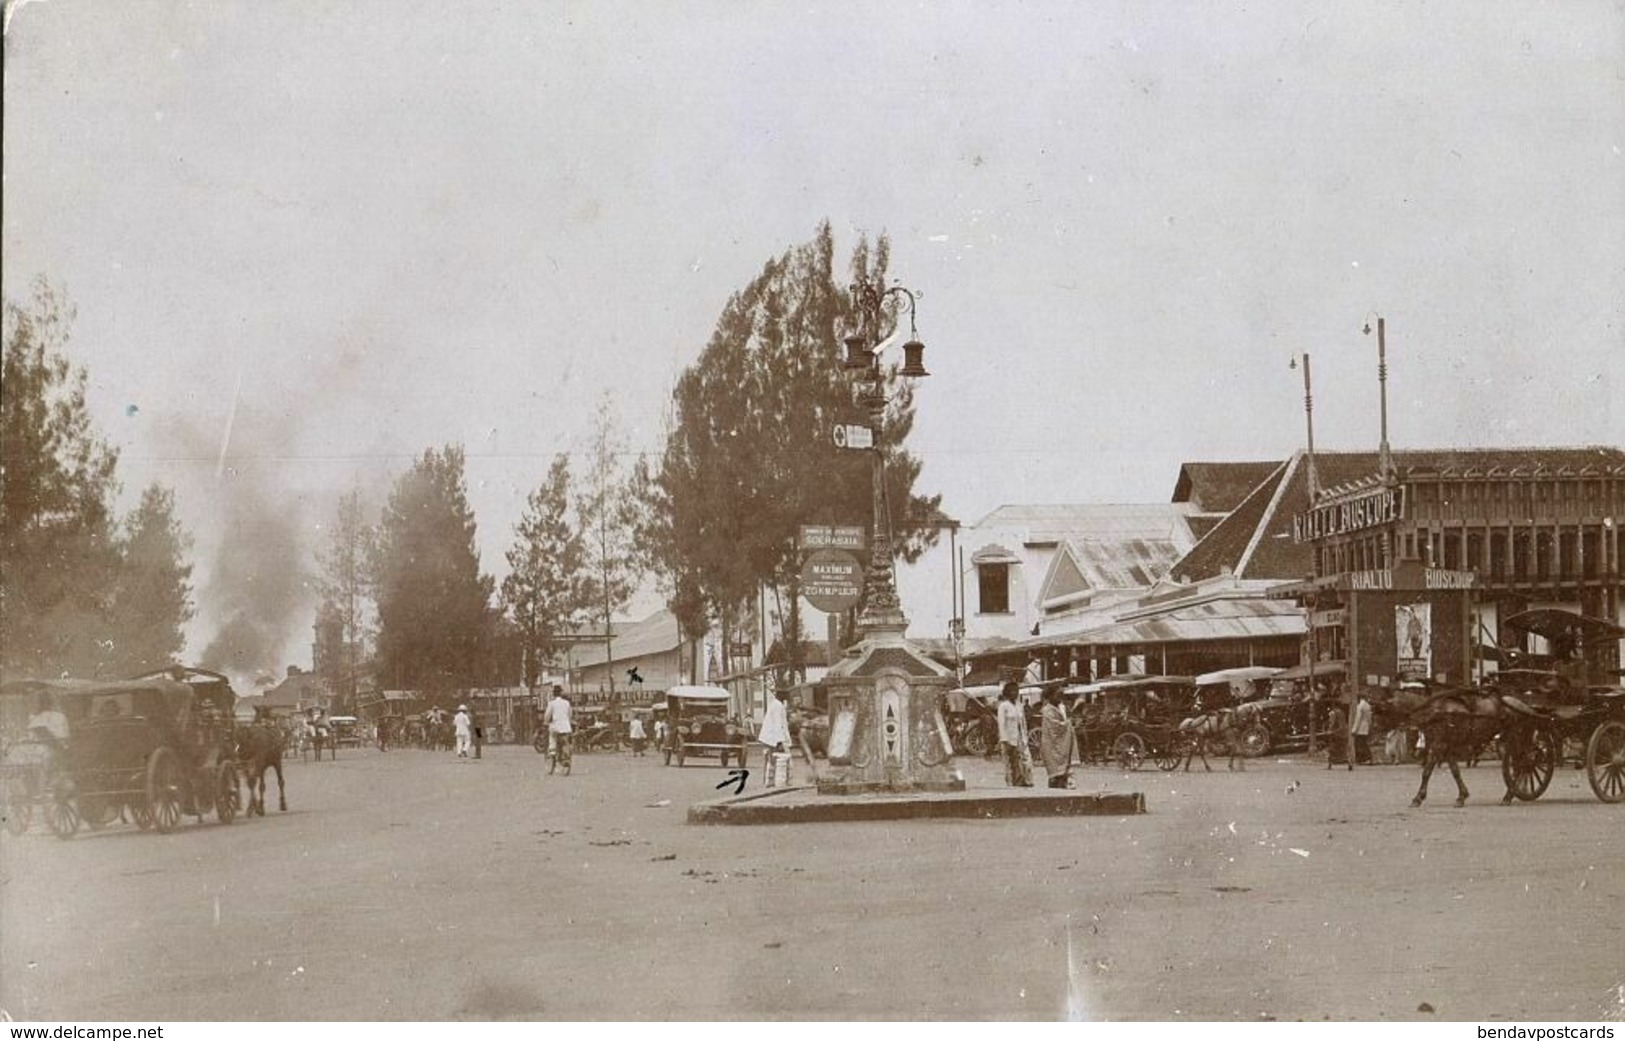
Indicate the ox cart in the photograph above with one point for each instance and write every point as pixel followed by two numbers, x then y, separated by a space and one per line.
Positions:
pixel 1565 706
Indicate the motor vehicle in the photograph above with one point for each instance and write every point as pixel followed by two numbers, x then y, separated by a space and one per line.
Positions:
pixel 346 731
pixel 700 724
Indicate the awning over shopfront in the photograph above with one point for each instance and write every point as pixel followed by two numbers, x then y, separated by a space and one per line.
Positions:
pixel 1321 668
pixel 1228 619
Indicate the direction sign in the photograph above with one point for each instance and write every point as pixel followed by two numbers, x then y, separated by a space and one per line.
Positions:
pixel 825 536
pixel 832 580
pixel 847 435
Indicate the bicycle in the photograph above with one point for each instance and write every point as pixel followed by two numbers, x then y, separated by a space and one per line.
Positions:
pixel 559 754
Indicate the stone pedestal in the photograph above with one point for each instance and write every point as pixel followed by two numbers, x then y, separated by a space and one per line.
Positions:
pixel 887 733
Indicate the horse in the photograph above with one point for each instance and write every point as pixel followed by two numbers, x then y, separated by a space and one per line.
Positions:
pixel 1224 724
pixel 259 748
pixel 1456 724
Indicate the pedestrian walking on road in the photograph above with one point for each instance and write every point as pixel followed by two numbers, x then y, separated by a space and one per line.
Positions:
pixel 1362 731
pixel 1013 739
pixel 1055 740
pixel 463 727
pixel 636 733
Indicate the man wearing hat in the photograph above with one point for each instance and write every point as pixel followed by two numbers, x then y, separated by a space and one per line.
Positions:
pixel 465 731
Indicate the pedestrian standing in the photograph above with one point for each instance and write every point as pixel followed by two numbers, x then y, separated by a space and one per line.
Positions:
pixel 775 732
pixel 1337 740
pixel 1013 738
pixel 1055 739
pixel 463 727
pixel 635 732
pixel 478 726
pixel 1362 730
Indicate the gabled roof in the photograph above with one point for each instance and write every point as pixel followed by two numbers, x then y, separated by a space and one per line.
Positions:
pixel 1093 565
pixel 1227 543
pixel 1053 523
pixel 656 634
pixel 1255 541
pixel 300 688
pixel 1220 487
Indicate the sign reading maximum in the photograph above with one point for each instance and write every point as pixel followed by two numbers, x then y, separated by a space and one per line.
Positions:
pixel 832 580
pixel 824 536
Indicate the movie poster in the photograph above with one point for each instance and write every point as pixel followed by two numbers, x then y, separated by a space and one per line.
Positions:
pixel 1413 635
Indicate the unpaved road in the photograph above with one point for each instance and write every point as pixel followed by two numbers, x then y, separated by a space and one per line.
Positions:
pixel 411 885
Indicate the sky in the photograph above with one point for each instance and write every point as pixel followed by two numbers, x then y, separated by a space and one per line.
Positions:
pixel 307 241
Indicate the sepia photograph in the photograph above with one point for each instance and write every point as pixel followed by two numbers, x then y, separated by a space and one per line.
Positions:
pixel 754 512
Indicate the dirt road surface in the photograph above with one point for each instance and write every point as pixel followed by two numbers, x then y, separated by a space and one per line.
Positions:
pixel 412 885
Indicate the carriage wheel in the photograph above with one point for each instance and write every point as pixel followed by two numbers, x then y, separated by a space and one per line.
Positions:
pixel 1129 750
pixel 975 740
pixel 19 807
pixel 1529 761
pixel 62 813
pixel 164 790
pixel 1605 761
pixel 540 743
pixel 1255 741
pixel 227 797
pixel 1169 754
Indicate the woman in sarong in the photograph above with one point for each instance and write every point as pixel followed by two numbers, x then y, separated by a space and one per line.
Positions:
pixel 1055 739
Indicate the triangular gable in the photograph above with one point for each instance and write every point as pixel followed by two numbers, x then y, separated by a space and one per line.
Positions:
pixel 1064 578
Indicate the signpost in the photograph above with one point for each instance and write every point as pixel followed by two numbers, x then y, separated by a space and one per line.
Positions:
pixel 849 435
pixel 832 580
pixel 826 536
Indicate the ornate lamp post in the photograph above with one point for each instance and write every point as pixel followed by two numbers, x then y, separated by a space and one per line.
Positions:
pixel 882 611
pixel 887 733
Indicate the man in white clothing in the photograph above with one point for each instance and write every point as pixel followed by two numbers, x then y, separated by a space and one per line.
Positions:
pixel 775 733
pixel 465 730
pixel 557 718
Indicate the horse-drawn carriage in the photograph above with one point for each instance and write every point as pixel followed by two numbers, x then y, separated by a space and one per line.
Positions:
pixel 1127 720
pixel 1564 706
pixel 1271 722
pixel 154 749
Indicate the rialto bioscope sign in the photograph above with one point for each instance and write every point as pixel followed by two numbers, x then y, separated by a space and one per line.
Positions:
pixel 1371 510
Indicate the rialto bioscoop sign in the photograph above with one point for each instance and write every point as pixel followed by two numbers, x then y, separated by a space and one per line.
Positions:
pixel 1372 510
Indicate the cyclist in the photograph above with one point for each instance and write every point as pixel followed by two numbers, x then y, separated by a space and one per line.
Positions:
pixel 557 720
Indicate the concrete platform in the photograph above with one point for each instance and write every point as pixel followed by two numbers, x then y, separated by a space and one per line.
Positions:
pixel 804 805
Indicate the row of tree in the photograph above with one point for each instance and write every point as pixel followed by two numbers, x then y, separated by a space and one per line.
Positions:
pixel 748 459
pixel 713 516
pixel 83 591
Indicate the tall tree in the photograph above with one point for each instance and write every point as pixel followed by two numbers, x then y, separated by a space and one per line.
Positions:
pixel 345 582
pixel 748 454
pixel 152 599
pixel 546 592
pixel 56 491
pixel 608 515
pixel 432 599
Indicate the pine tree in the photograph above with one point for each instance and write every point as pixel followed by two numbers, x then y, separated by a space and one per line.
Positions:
pixel 608 516
pixel 749 458
pixel 546 592
pixel 153 596
pixel 345 582
pixel 432 599
pixel 56 491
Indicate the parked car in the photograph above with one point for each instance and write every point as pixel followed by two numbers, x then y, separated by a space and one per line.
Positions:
pixel 700 724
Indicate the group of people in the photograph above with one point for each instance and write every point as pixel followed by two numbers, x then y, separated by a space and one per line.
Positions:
pixel 1056 742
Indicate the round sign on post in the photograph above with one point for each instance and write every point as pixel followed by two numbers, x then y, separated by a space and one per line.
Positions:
pixel 832 580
